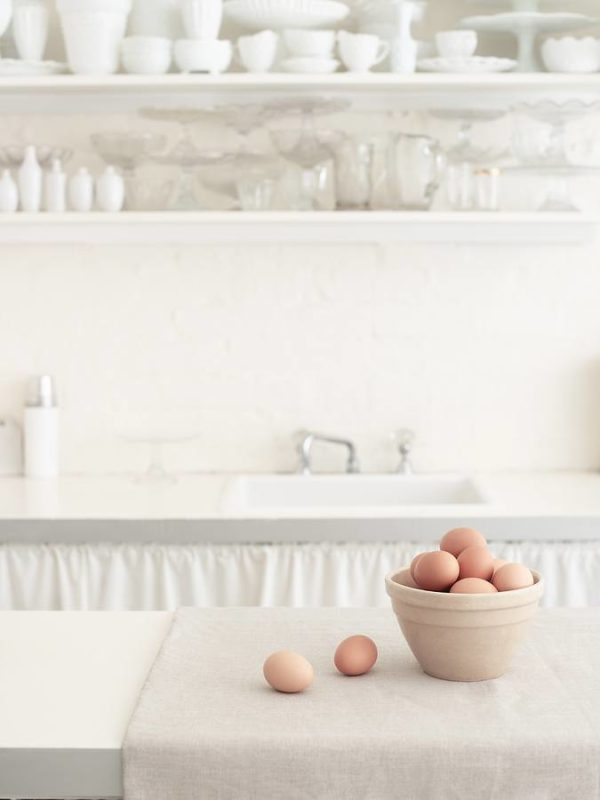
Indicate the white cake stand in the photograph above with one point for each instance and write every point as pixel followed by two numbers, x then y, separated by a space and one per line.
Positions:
pixel 526 25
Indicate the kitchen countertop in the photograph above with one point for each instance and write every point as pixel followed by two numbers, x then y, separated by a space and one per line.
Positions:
pixel 69 682
pixel 532 506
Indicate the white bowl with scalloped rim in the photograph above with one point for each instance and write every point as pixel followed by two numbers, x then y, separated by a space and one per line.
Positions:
pixel 573 55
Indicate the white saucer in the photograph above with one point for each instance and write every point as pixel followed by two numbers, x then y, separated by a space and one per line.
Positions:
pixel 475 65
pixel 308 65
pixel 16 66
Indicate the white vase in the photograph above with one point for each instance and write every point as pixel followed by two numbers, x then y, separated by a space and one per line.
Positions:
pixel 6 8
pixel 55 189
pixel 81 191
pixel 92 32
pixel 30 29
pixel 30 182
pixel 202 18
pixel 110 191
pixel 156 18
pixel 9 194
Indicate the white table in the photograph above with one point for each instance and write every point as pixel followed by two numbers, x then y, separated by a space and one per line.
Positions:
pixel 69 682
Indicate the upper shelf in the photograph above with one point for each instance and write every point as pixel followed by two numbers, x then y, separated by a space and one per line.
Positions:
pixel 123 93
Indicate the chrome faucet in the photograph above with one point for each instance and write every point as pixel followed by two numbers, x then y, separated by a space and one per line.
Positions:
pixel 306 439
pixel 404 439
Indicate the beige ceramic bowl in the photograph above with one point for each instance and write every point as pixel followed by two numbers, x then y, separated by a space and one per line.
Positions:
pixel 462 637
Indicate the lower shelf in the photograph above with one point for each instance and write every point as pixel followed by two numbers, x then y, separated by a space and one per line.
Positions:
pixel 270 227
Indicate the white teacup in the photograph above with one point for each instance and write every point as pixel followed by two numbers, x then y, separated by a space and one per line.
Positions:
pixel 456 44
pixel 361 51
pixel 257 53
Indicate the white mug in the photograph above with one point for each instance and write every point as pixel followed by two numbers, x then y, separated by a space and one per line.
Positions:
pixel 456 44
pixel 30 29
pixel 202 18
pixel 361 51
pixel 257 53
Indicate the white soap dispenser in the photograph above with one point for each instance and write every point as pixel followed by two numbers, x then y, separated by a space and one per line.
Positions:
pixel 9 194
pixel 41 429
pixel 81 191
pixel 30 181
pixel 110 191
pixel 55 188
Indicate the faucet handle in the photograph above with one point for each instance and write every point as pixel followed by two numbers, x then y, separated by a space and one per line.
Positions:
pixel 301 438
pixel 404 439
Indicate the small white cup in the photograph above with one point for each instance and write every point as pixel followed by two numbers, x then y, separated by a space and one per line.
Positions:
pixel 361 51
pixel 456 44
pixel 257 53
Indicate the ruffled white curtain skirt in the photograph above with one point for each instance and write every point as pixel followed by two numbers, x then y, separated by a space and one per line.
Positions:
pixel 163 577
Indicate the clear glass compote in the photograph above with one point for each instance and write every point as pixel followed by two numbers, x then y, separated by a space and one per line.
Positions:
pixel 189 159
pixel 313 152
pixel 186 154
pixel 226 174
pixel 241 118
pixel 155 434
pixel 128 150
pixel 463 155
pixel 541 138
pixel 541 143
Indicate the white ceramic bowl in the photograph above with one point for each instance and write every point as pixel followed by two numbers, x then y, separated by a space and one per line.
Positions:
pixel 309 43
pixel 258 15
pixel 213 56
pixel 146 55
pixel 571 55
pixel 462 637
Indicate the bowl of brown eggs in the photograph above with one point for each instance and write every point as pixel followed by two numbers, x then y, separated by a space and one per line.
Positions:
pixel 462 611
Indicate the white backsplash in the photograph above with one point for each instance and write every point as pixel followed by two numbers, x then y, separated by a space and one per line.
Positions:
pixel 490 353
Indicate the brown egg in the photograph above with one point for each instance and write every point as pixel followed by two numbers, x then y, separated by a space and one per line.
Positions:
pixel 476 562
pixel 499 562
pixel 473 586
pixel 355 655
pixel 414 563
pixel 512 576
pixel 288 672
pixel 458 539
pixel 436 571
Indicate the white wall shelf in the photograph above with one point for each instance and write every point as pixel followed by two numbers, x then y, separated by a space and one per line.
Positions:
pixel 127 93
pixel 232 227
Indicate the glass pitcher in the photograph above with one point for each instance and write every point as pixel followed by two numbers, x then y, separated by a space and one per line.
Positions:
pixel 414 166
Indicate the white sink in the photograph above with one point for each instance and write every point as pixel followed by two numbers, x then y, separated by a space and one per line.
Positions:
pixel 300 492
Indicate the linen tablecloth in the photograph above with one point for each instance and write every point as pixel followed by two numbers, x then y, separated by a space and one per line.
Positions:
pixel 207 726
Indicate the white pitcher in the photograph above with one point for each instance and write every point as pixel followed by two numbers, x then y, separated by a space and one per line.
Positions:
pixel 414 166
